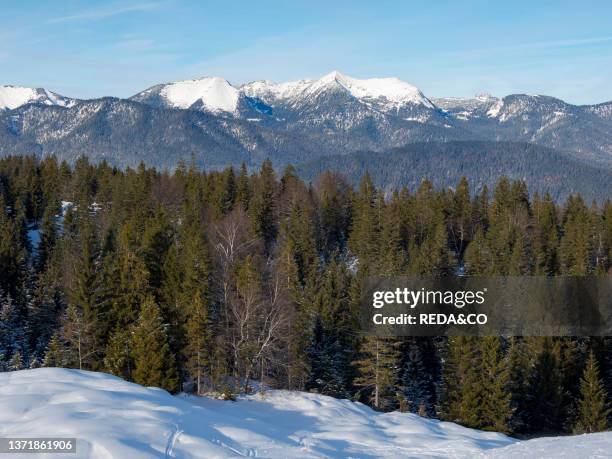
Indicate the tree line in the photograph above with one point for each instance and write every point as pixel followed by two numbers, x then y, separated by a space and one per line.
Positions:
pixel 207 280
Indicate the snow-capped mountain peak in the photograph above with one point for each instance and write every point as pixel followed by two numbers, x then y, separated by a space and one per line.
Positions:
pixel 395 91
pixel 392 89
pixel 214 93
pixel 12 97
pixel 269 92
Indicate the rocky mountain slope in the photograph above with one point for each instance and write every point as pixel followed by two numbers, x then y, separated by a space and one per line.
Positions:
pixel 219 124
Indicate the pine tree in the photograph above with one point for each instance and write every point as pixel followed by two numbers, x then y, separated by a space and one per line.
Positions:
pixel 575 247
pixel 478 255
pixel 546 240
pixel 119 358
pixel 78 338
pixel 545 404
pixel 519 367
pixel 335 211
pixel 461 399
pixel 392 255
pixel 327 364
pixel 55 354
pixel 154 365
pixel 593 409
pixel 198 341
pixel 378 370
pixel 416 382
pixel 495 406
pixel 520 263
pixel 243 190
pixel 364 235
pixel 333 343
pixel 16 362
pixel 461 217
pixel 263 204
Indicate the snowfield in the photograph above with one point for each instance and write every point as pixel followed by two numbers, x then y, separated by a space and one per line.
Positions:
pixel 112 418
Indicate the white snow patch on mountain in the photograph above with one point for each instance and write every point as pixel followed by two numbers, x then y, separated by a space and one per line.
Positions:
pixel 270 92
pixel 112 418
pixel 393 91
pixel 12 97
pixel 215 93
pixel 495 109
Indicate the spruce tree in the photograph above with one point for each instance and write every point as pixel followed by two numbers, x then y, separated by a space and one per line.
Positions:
pixel 55 355
pixel 119 358
pixel 198 341
pixel 154 365
pixel 519 367
pixel 478 255
pixel 496 399
pixel 78 338
pixel 378 370
pixel 364 237
pixel 416 382
pixel 461 399
pixel 262 207
pixel 545 403
pixel 593 408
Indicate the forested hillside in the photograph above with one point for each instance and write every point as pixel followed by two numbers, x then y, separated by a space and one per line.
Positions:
pixel 483 163
pixel 208 280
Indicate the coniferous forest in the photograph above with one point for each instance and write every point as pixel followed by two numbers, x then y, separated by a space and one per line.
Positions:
pixel 208 281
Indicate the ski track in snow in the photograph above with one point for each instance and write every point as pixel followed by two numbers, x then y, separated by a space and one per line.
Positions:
pixel 172 441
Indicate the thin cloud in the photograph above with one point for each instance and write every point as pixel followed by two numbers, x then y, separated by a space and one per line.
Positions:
pixel 104 13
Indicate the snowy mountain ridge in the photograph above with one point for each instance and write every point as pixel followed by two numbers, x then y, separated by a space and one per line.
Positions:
pixel 112 418
pixel 12 97
pixel 288 122
pixel 215 94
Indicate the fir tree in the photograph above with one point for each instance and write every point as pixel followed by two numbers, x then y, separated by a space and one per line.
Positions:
pixel 519 367
pixel 119 358
pixel 55 355
pixel 593 409
pixel 378 370
pixel 545 403
pixel 78 338
pixel 496 399
pixel 364 236
pixel 262 206
pixel 416 382
pixel 198 341
pixel 154 365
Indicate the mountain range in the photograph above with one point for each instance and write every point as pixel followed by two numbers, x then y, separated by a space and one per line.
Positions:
pixel 215 123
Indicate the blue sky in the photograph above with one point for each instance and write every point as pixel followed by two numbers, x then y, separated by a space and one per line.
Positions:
pixel 90 49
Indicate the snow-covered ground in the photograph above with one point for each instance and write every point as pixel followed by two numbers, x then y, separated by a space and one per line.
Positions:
pixel 112 418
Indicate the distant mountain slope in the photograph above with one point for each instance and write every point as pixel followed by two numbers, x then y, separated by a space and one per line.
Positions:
pixel 125 132
pixel 220 124
pixel 483 163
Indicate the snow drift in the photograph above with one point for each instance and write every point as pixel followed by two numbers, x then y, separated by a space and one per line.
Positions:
pixel 112 418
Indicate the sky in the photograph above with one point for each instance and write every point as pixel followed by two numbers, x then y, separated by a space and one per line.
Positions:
pixel 459 48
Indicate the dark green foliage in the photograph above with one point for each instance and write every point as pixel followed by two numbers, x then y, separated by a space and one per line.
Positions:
pixel 207 280
pixel 154 365
pixel 378 368
pixel 593 410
